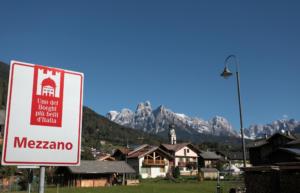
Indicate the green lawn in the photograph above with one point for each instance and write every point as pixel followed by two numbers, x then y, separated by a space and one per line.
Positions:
pixel 161 186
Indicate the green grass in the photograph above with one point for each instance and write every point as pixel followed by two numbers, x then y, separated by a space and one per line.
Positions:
pixel 152 186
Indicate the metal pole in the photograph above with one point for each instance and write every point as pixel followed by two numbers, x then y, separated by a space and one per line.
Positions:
pixel 241 117
pixel 218 183
pixel 42 179
pixel 29 188
pixel 124 179
pixel 57 188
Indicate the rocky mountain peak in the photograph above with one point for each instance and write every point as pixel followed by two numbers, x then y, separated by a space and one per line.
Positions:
pixel 111 115
pixel 157 121
pixel 143 109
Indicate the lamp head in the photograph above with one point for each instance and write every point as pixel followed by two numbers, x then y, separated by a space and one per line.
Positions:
pixel 226 72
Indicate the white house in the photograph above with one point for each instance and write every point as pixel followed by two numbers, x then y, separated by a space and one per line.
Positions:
pixel 149 161
pixel 185 154
pixel 186 157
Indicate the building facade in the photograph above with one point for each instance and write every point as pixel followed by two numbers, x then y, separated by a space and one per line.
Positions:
pixel 150 161
pixel 185 157
pixel 94 174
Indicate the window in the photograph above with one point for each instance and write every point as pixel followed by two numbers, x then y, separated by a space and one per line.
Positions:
pixel 188 150
pixel 162 169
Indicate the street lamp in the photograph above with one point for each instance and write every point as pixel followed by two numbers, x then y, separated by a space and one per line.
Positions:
pixel 226 73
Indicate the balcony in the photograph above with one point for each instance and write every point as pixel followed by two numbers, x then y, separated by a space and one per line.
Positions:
pixel 151 162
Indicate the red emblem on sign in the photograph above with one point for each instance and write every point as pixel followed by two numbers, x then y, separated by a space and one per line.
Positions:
pixel 47 96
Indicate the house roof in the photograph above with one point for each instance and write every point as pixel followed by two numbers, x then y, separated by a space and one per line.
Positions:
pixel 123 150
pixel 294 142
pixel 209 155
pixel 176 147
pixel 144 150
pixel 139 149
pixel 294 151
pixel 261 142
pixel 101 167
pixel 282 135
pixel 257 143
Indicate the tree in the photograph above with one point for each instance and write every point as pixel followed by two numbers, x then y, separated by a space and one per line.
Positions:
pixel 86 154
pixel 6 171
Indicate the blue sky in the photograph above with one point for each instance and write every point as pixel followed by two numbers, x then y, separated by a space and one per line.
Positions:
pixel 168 52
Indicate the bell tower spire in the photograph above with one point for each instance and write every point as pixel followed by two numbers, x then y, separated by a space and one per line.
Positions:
pixel 172 134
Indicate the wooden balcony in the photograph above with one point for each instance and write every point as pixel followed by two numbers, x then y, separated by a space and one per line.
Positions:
pixel 151 162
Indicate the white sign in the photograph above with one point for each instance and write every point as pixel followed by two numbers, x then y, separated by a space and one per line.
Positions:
pixel 44 114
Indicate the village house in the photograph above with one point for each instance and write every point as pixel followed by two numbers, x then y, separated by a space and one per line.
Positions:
pixel 209 159
pixel 95 174
pixel 294 144
pixel 208 164
pixel 285 155
pixel 276 163
pixel 260 151
pixel 185 154
pixel 149 161
pixel 234 158
pixel 121 153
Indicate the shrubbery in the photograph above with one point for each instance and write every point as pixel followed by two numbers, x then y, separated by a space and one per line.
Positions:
pixel 176 172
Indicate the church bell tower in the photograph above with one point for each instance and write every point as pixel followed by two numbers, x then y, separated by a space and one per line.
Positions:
pixel 172 134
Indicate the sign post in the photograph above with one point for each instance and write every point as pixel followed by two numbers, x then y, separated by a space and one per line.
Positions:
pixel 42 179
pixel 44 115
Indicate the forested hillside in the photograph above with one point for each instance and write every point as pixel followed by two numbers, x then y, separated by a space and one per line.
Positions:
pixel 4 73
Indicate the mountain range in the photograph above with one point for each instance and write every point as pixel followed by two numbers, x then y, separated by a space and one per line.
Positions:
pixel 157 121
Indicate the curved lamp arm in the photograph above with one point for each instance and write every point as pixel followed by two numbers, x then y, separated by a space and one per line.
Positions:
pixel 235 59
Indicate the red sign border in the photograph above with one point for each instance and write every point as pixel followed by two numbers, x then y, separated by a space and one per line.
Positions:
pixel 13 63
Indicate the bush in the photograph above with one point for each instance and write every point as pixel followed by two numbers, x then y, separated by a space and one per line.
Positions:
pixel 176 172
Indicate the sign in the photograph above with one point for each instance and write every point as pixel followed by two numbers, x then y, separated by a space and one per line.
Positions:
pixel 44 114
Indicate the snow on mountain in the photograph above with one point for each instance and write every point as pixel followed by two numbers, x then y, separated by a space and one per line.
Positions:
pixel 255 131
pixel 125 117
pixel 158 121
pixel 111 115
pixel 221 126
